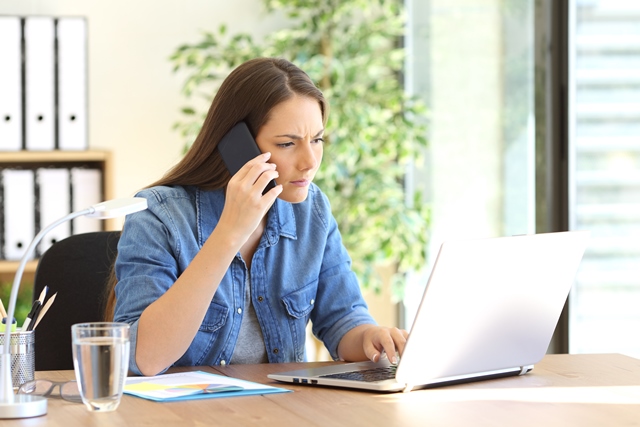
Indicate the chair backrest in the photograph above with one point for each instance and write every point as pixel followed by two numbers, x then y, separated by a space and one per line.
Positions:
pixel 77 268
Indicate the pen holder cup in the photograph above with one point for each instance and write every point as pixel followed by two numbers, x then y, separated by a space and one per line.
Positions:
pixel 23 356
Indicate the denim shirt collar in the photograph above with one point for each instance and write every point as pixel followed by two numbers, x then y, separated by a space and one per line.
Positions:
pixel 280 218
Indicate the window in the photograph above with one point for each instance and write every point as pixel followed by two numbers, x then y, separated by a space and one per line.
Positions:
pixel 604 123
pixel 473 64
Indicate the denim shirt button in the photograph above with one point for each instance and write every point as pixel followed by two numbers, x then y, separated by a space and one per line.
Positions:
pixel 312 301
pixel 275 350
pixel 260 299
pixel 222 363
pixel 239 311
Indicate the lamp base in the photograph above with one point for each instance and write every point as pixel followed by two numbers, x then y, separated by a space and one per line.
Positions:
pixel 24 406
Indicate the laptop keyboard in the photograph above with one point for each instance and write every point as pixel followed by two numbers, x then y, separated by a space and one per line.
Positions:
pixel 368 375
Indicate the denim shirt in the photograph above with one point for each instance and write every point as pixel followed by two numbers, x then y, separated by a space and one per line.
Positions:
pixel 300 272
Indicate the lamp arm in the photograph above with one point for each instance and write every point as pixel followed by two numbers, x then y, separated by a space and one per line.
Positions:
pixel 6 383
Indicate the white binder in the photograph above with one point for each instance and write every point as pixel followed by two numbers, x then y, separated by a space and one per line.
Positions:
pixel 86 190
pixel 54 203
pixel 39 38
pixel 19 212
pixel 10 83
pixel 71 35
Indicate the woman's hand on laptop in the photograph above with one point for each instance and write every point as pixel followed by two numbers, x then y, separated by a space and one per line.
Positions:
pixel 370 341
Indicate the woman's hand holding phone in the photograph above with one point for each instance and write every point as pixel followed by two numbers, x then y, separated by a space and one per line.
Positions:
pixel 237 148
pixel 245 205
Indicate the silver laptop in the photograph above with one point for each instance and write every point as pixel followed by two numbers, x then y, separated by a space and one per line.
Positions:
pixel 489 310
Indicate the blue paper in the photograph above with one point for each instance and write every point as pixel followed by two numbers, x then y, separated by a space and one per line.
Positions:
pixel 193 385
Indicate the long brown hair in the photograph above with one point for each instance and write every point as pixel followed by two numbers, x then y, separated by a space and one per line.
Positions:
pixel 248 94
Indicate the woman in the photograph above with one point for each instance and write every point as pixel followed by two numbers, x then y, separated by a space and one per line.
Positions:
pixel 215 272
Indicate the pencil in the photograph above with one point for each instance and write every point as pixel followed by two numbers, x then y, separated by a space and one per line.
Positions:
pixel 43 294
pixel 44 310
pixel 3 312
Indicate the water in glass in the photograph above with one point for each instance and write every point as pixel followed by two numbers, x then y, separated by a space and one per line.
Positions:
pixel 101 364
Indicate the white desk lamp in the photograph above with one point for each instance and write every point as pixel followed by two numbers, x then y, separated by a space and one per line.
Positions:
pixel 24 405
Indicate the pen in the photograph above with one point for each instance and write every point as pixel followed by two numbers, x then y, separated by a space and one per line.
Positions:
pixel 35 309
pixel 44 310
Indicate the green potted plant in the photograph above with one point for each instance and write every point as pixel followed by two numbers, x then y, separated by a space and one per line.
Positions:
pixel 350 48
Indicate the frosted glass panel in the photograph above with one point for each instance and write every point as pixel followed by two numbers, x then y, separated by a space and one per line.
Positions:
pixel 604 118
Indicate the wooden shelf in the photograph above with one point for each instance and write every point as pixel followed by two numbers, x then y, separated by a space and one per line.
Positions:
pixel 12 266
pixel 54 156
pixel 8 271
pixel 57 158
pixel 102 159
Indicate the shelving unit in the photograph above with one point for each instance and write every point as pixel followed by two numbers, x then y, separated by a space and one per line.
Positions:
pixel 97 159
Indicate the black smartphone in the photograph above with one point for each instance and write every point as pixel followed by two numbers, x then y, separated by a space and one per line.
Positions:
pixel 237 147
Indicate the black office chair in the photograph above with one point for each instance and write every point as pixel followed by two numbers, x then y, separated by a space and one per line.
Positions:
pixel 77 268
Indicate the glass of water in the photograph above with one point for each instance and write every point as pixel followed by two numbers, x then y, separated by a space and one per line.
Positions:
pixel 101 361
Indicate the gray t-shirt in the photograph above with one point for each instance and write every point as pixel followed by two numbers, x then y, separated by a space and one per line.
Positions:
pixel 250 346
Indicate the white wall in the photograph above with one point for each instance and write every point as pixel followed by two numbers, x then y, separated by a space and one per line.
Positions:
pixel 134 97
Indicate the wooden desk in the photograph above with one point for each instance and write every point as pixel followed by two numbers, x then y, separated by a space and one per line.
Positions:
pixel 562 390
